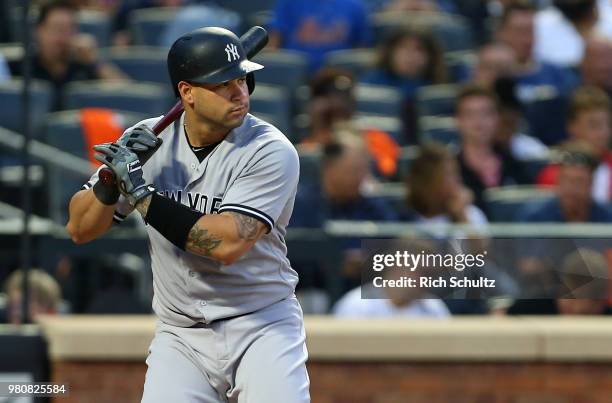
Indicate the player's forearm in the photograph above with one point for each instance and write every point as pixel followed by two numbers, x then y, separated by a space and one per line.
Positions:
pixel 223 237
pixel 88 217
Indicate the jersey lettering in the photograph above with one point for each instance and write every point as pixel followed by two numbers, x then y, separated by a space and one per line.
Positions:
pixel 215 205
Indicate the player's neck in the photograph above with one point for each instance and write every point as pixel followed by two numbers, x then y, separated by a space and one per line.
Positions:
pixel 202 133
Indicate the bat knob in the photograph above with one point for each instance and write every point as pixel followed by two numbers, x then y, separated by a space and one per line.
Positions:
pixel 107 177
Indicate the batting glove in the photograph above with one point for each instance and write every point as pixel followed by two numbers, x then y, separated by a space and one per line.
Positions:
pixel 140 140
pixel 127 168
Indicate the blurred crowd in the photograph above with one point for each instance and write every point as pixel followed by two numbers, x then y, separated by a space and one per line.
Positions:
pixel 475 98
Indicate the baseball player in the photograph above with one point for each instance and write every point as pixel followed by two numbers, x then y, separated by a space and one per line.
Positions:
pixel 216 194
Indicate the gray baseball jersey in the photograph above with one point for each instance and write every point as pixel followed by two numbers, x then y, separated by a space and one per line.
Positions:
pixel 253 171
pixel 195 356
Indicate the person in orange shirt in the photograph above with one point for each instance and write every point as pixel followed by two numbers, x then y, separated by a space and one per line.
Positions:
pixel 332 104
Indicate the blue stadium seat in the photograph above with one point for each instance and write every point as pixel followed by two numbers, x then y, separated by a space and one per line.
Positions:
pixel 273 101
pixel 284 68
pixel 11 108
pixel 63 130
pixel 379 100
pixel 148 25
pixel 141 63
pixel 388 124
pixel 505 204
pixel 357 61
pixel 146 98
pixel 247 8
pixel 407 155
pixel 452 31
pixel 310 166
pixel 97 24
pixel 437 100
pixel 460 65
pixel 438 129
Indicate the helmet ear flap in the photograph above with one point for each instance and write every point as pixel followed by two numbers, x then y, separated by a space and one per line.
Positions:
pixel 250 79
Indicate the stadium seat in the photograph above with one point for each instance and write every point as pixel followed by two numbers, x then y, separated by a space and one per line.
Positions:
pixel 437 100
pixel 505 204
pixel 378 100
pixel 148 25
pixel 452 31
pixel 357 61
pixel 284 68
pixel 407 155
pixel 97 24
pixel 460 65
pixel 247 8
pixel 63 130
pixel 273 101
pixel 146 98
pixel 11 108
pixel 391 125
pixel 141 63
pixel 310 166
pixel 438 129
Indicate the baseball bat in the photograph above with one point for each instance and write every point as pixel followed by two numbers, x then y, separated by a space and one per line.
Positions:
pixel 253 41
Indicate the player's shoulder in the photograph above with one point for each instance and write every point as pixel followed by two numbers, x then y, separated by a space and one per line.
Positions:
pixel 260 136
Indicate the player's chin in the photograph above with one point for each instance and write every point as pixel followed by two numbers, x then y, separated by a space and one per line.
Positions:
pixel 235 119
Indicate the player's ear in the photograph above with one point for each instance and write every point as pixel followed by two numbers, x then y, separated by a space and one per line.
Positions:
pixel 185 91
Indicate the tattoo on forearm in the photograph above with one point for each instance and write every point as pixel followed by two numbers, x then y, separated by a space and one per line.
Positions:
pixel 143 205
pixel 247 227
pixel 199 241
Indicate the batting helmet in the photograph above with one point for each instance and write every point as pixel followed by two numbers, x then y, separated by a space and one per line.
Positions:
pixel 209 56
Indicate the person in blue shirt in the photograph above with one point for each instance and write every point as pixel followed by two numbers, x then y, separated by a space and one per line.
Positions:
pixel 573 202
pixel 338 195
pixel 408 60
pixel 317 27
pixel 542 88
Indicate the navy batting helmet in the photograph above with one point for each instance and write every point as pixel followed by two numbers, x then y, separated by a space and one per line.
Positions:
pixel 209 56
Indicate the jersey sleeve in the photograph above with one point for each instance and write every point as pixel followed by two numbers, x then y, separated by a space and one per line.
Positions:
pixel 266 184
pixel 123 208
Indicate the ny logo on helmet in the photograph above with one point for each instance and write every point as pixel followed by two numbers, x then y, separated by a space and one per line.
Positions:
pixel 232 52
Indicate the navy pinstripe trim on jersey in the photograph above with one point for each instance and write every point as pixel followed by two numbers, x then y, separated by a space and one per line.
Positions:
pixel 250 211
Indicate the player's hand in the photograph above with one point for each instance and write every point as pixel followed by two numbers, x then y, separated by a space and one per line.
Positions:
pixel 140 140
pixel 127 168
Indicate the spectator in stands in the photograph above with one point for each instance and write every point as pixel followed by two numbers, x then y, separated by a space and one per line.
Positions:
pixel 576 294
pixel 332 104
pixel 435 192
pixel 338 196
pixel 483 164
pixel 408 60
pixel 560 30
pixel 510 135
pixel 542 88
pixel 44 292
pixel 494 60
pixel 345 167
pixel 320 26
pixel 574 201
pixel 368 302
pixel 589 120
pixel 596 67
pixel 62 55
